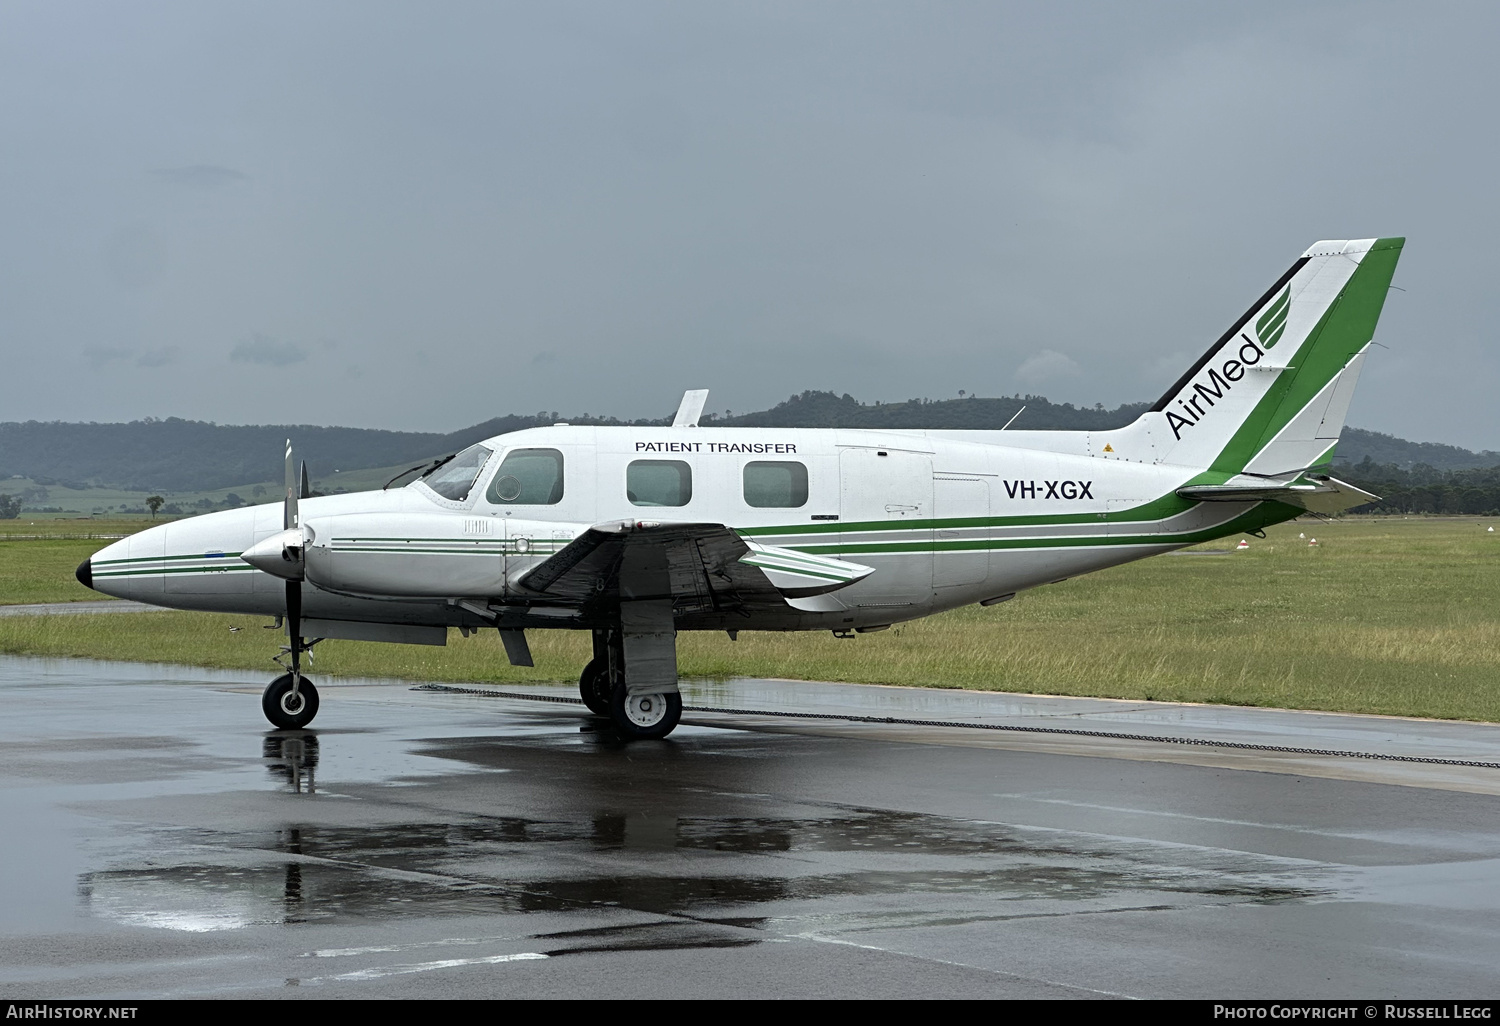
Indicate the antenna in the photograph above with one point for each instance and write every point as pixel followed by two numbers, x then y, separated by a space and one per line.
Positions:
pixel 1012 420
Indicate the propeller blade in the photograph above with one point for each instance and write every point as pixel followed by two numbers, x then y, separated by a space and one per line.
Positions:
pixel 293 587
pixel 289 510
pixel 306 488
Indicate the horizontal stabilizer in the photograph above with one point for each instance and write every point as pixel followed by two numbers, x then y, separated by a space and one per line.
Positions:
pixel 1316 494
pixel 799 574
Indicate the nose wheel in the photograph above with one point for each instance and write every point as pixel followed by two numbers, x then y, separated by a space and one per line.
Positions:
pixel 290 703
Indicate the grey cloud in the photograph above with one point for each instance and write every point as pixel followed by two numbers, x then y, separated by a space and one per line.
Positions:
pixel 1047 365
pixel 887 199
pixel 267 352
pixel 157 357
pixel 200 176
pixel 101 356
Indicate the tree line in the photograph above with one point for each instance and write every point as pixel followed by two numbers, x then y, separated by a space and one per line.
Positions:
pixel 1425 489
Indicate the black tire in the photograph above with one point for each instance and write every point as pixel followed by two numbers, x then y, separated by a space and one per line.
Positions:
pixel 277 697
pixel 593 686
pixel 646 717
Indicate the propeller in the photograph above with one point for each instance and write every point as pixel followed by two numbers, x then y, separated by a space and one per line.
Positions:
pixel 289 523
pixel 284 555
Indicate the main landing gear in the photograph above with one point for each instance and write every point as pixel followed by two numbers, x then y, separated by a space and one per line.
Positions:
pixel 636 716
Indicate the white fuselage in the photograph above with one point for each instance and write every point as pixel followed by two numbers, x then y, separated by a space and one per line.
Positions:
pixel 944 518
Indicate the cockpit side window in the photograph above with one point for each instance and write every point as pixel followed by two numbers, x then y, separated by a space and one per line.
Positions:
pixel 528 477
pixel 454 479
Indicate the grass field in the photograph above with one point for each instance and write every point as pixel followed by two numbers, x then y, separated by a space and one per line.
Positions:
pixel 1386 615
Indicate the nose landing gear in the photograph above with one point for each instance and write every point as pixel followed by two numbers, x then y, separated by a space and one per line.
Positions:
pixel 290 703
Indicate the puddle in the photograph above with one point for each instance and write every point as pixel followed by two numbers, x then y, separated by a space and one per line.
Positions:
pixel 717 871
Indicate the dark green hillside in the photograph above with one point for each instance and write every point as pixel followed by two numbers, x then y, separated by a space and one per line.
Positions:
pixel 825 409
pixel 174 455
pixel 1357 445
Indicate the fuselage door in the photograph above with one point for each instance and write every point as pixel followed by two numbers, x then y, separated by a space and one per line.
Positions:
pixel 960 503
pixel 885 516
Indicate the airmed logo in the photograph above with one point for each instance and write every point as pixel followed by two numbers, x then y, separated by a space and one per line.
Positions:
pixel 1199 400
pixel 1273 322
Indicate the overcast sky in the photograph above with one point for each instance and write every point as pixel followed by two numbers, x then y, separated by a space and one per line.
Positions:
pixel 423 215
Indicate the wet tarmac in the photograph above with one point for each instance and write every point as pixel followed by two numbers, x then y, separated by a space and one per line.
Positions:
pixel 160 841
pixel 77 608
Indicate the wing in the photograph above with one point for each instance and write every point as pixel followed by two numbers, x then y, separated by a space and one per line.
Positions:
pixel 701 567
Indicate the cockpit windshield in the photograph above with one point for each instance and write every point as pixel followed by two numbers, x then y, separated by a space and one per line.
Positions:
pixel 453 479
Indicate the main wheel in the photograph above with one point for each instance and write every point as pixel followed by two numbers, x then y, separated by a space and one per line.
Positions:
pixel 642 717
pixel 285 710
pixel 593 685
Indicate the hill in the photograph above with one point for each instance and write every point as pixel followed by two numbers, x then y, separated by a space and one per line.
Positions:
pixel 178 456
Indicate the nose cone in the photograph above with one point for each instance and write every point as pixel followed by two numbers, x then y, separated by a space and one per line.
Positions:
pixel 85 574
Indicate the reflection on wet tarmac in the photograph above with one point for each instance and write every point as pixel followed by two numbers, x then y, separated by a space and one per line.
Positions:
pixel 426 845
pixel 667 859
pixel 293 755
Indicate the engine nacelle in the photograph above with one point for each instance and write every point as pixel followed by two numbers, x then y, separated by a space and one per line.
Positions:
pixel 425 555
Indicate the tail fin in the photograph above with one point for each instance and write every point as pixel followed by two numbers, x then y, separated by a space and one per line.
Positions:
pixel 1269 398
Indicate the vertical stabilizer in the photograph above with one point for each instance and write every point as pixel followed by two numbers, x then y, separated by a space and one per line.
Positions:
pixel 1270 397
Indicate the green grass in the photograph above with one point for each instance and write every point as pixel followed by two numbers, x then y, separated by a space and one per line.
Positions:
pixel 30 526
pixel 42 570
pixel 1386 615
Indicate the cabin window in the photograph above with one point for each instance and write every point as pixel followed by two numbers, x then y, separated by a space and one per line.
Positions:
pixel 528 477
pixel 775 485
pixel 454 479
pixel 659 483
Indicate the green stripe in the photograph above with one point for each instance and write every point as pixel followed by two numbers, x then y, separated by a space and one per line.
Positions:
pixel 789 556
pixel 797 571
pixel 158 559
pixel 1266 513
pixel 1168 505
pixel 145 572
